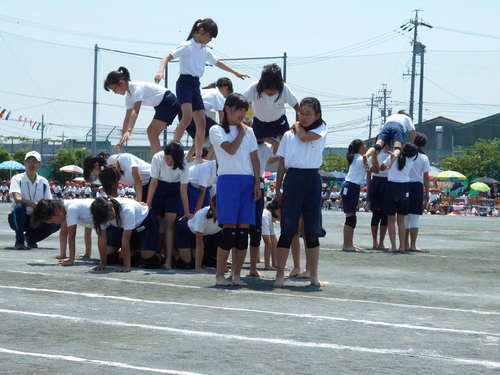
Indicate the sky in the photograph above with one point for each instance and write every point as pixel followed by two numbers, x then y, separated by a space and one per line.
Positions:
pixel 339 52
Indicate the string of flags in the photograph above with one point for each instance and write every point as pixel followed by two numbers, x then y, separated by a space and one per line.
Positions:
pixel 31 123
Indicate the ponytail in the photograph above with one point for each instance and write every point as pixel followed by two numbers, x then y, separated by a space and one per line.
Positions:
pixel 273 206
pixel 88 163
pixel 353 149
pixel 109 175
pixel 100 209
pixel 208 26
pixel 409 150
pixel 420 141
pixel 210 213
pixel 114 78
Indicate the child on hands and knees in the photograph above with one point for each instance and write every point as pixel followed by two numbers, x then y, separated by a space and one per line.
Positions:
pixel 238 186
pixel 393 131
pixel 301 151
pixel 193 54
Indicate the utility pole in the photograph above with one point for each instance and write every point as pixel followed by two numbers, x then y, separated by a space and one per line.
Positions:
pixel 94 106
pixel 41 144
pixel 381 99
pixel 421 92
pixel 371 119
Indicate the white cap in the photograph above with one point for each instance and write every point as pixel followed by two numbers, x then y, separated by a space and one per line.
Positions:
pixel 35 154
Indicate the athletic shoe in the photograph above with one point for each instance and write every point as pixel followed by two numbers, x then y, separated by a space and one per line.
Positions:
pixel 33 245
pixel 21 246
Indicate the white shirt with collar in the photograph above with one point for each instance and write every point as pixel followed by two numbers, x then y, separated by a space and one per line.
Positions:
pixel 150 94
pixel 269 108
pixel 192 57
pixel 303 155
pixel 21 184
pixel 161 171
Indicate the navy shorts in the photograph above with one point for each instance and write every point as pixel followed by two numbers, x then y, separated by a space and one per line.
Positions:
pixel 235 199
pixel 301 194
pixel 416 198
pixel 183 235
pixel 350 197
pixel 392 131
pixel 144 237
pixel 193 194
pixel 167 109
pixel 263 129
pixel 167 197
pixel 259 209
pixel 191 129
pixel 397 198
pixel 377 192
pixel 188 91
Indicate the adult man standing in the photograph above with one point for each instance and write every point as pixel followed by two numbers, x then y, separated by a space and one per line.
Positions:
pixel 26 189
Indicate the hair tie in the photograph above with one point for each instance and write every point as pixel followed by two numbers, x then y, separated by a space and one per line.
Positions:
pixel 199 21
pixel 102 167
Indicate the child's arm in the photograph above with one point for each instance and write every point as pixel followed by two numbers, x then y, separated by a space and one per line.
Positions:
pixel 163 65
pixel 413 136
pixel 296 107
pixel 63 239
pixel 128 124
pixel 72 247
pixel 102 245
pixel 279 178
pixel 256 173
pixel 198 255
pixel 153 183
pixel 227 68
pixel 125 251
pixel 303 135
pixel 232 147
pixel 185 201
pixel 201 198
pixel 137 183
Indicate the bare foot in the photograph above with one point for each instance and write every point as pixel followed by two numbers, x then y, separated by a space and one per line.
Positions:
pixel 295 272
pixel 280 282
pixel 270 268
pixel 237 281
pixel 315 281
pixel 304 275
pixel 414 249
pixel 59 257
pixel 201 270
pixel 375 246
pixel 83 255
pixel 221 280
pixel 383 247
pixel 359 248
pixel 260 261
pixel 350 249
pixel 401 250
pixel 256 273
pixel 167 265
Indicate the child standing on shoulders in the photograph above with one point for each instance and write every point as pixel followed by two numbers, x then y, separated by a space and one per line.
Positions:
pixel 193 54
pixel 238 186
pixel 168 186
pixel 268 97
pixel 138 94
pixel 301 151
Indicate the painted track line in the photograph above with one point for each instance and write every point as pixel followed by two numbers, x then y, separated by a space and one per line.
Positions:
pixel 255 311
pixel 95 362
pixel 260 340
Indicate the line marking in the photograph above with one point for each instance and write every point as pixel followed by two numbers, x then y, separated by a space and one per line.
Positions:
pixel 273 294
pixel 255 311
pixel 260 340
pixel 96 362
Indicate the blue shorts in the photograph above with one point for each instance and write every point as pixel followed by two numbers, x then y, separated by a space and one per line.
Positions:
pixel 377 192
pixel 263 129
pixel 167 109
pixel 144 237
pixel 167 197
pixel 235 199
pixel 188 91
pixel 193 194
pixel 392 131
pixel 191 129
pixel 416 205
pixel 350 197
pixel 396 198
pixel 184 237
pixel 301 194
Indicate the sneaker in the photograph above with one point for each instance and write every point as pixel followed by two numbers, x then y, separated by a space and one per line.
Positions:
pixel 33 245
pixel 21 246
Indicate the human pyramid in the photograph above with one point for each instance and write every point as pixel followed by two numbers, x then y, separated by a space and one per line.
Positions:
pixel 183 201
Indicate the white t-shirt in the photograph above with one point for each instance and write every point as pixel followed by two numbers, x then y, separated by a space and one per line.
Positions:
pixel 5 188
pixel 420 166
pixel 207 174
pixel 264 152
pixel 192 57
pixel 57 189
pixel 21 184
pixel 161 171
pixel 268 228
pixel 78 212
pixel 271 193
pixel 88 191
pixel 212 99
pixel 150 94
pixel 404 120
pixel 132 214
pixel 396 175
pixel 266 108
pixel 239 163
pixel 194 171
pixel 303 155
pixel 200 223
pixel 129 161
pixel 383 159
pixel 357 171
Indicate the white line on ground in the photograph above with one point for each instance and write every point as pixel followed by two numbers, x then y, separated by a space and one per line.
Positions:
pixel 273 294
pixel 96 362
pixel 254 311
pixel 260 340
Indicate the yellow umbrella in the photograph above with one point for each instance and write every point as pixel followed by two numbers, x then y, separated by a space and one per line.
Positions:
pixel 450 176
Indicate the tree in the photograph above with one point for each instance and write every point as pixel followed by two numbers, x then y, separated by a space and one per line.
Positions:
pixel 334 162
pixel 482 159
pixel 20 153
pixel 4 156
pixel 63 158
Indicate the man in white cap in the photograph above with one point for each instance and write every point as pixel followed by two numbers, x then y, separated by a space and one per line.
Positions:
pixel 26 189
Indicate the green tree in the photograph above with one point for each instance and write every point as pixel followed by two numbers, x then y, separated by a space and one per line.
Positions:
pixel 63 158
pixel 334 162
pixel 20 153
pixel 481 159
pixel 4 156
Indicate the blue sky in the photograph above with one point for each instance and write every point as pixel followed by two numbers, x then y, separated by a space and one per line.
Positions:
pixel 339 52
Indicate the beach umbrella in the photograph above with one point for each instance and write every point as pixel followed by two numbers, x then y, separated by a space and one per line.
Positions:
pixel 272 177
pixel 486 180
pixel 12 165
pixel 71 169
pixel 480 186
pixel 450 176
pixel 79 179
pixel 267 174
pixel 339 175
